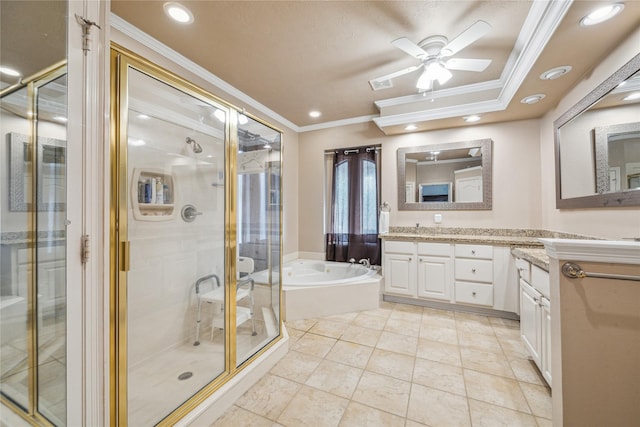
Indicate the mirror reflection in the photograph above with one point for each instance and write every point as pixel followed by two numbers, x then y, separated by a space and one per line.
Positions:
pixel 445 176
pixel 602 130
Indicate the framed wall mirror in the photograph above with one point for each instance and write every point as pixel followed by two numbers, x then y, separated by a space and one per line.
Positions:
pixel 451 176
pixel 597 145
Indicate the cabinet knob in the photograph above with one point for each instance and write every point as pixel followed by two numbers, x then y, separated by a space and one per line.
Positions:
pixel 473 270
pixel 473 252
pixel 473 293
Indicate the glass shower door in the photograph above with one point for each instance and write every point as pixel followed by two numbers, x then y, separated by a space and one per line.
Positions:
pixel 172 228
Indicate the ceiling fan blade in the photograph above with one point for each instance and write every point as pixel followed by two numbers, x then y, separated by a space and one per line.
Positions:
pixel 409 47
pixel 396 74
pixel 467 64
pixel 468 36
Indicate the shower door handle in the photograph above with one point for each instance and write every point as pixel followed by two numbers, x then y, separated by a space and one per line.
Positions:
pixel 124 256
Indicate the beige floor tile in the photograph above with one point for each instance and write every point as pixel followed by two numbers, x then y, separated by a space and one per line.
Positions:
pixel 335 378
pixel 393 364
pixel 436 312
pixel 504 332
pixel 269 396
pixel 539 399
pixel 487 415
pixel 434 333
pixel 237 416
pixel 437 322
pixel 439 352
pixel 486 361
pixel 329 328
pixel 409 308
pixel 314 345
pixel 437 408
pixel 296 366
pixel 360 335
pixel 312 407
pixel 350 354
pixel 474 326
pixel 407 316
pixel 358 415
pixel 378 312
pixel 439 376
pixel 496 390
pixel 543 422
pixel 398 343
pixel 369 321
pixel 294 335
pixel 302 324
pixel 383 392
pixel 514 348
pixel 525 370
pixel 479 341
pixel 403 327
pixel 411 423
pixel 508 323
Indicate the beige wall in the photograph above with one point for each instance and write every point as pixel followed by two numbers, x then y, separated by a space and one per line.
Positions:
pixel 516 181
pixel 610 223
pixel 290 137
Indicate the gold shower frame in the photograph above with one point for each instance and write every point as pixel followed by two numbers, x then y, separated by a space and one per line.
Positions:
pixel 121 60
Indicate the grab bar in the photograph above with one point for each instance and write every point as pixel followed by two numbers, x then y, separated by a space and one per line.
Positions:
pixel 574 271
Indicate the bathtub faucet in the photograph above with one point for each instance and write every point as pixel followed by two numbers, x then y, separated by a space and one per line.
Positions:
pixel 352 260
pixel 365 262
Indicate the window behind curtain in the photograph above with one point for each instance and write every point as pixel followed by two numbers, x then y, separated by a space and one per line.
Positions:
pixel 351 204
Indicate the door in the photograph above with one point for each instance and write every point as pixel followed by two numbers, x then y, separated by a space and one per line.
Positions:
pixel 434 277
pixel 530 320
pixel 173 266
pixel 399 274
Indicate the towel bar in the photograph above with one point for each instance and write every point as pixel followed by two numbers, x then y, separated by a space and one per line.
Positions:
pixel 574 271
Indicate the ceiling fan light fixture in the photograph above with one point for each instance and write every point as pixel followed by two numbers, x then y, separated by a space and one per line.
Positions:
pixel 601 14
pixel 533 99
pixel 555 73
pixel 433 71
pixel 178 12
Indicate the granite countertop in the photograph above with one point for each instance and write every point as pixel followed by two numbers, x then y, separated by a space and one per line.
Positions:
pixel 536 256
pixel 499 240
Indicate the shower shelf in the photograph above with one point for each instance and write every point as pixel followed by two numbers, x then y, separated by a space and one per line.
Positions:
pixel 152 211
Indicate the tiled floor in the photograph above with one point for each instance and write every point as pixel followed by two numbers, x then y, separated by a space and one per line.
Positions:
pixel 398 365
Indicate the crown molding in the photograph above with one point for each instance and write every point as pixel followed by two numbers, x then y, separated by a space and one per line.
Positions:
pixel 336 123
pixel 602 251
pixel 145 39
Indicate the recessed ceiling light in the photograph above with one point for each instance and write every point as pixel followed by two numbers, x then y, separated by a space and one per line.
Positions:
pixel 554 73
pixel 602 14
pixel 315 114
pixel 471 119
pixel 632 97
pixel 9 71
pixel 178 13
pixel 411 127
pixel 533 98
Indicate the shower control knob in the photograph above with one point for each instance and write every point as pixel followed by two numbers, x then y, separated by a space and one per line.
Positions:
pixel 189 213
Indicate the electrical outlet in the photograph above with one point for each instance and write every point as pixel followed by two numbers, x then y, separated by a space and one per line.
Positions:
pixel 437 218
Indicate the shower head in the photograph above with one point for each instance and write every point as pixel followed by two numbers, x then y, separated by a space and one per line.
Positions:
pixel 197 148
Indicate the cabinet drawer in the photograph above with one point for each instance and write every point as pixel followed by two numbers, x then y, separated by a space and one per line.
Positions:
pixel 434 249
pixel 474 293
pixel 474 251
pixel 408 248
pixel 474 270
pixel 540 280
pixel 524 269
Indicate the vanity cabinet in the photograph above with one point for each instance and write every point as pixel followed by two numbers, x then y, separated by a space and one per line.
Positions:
pixel 473 275
pixel 535 315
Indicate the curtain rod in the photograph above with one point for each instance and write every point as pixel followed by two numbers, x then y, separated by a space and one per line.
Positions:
pixel 352 150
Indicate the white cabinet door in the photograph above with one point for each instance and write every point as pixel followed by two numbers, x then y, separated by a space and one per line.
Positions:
pixel 400 274
pixel 530 320
pixel 545 366
pixel 434 277
pixel 469 189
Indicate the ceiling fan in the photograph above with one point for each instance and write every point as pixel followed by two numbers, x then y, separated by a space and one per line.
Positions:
pixel 435 56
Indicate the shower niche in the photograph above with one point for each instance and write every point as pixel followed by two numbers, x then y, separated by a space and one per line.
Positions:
pixel 152 195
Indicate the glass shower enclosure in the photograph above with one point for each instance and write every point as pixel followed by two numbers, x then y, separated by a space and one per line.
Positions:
pixel 195 243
